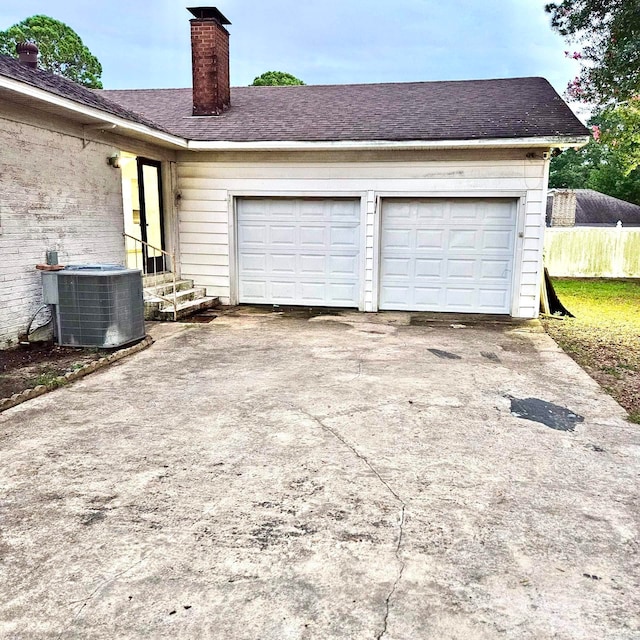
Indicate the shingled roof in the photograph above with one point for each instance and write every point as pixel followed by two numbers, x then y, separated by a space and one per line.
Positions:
pixel 433 111
pixel 429 111
pixel 598 209
pixel 52 83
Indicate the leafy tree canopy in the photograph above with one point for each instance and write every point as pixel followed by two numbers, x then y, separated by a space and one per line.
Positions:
pixel 608 34
pixel 609 162
pixel 61 49
pixel 275 79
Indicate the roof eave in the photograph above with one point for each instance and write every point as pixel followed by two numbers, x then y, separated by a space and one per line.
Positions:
pixel 125 126
pixel 558 141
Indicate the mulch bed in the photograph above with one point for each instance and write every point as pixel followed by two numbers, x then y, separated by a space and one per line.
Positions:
pixel 27 366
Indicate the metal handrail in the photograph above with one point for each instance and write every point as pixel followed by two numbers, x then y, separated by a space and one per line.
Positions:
pixel 145 246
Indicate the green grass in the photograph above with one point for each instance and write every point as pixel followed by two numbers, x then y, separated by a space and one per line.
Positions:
pixel 604 337
pixel 48 378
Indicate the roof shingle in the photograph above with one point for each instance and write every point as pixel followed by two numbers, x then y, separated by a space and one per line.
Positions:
pixel 457 110
pixel 47 81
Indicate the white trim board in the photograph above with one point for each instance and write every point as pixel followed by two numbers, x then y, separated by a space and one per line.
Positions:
pixel 545 142
pixel 109 121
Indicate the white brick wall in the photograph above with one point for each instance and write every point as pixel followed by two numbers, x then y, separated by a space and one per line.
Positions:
pixel 54 194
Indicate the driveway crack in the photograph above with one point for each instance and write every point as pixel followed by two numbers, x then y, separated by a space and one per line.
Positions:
pixel 401 520
pixel 85 601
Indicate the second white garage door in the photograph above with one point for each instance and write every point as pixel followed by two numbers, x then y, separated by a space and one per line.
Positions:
pixel 447 254
pixel 299 251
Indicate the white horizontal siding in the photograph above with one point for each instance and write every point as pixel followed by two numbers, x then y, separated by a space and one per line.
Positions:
pixel 402 171
pixel 205 188
pixel 291 186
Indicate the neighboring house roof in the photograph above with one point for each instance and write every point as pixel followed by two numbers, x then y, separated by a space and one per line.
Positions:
pixel 458 110
pixel 52 83
pixel 595 208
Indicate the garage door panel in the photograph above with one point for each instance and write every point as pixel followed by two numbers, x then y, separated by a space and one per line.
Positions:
pixel 505 216
pixel 460 299
pixel 253 262
pixel 282 264
pixel 462 269
pixel 466 239
pixel 397 239
pixel 424 297
pixel 465 212
pixel 395 295
pixel 281 209
pixel 252 235
pixel 253 210
pixel 308 209
pixel 313 292
pixel 254 289
pixel 312 265
pixel 313 237
pixel 282 236
pixel 430 211
pixel 346 237
pixel 310 251
pixel 403 211
pixel 428 238
pixel 447 254
pixel 282 291
pixel 501 240
pixel 336 211
pixel 343 266
pixel 393 267
pixel 495 269
pixel 490 299
pixel 342 294
pixel 428 268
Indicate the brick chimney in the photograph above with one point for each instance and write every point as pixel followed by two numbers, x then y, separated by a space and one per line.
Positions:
pixel 210 61
pixel 563 213
pixel 27 54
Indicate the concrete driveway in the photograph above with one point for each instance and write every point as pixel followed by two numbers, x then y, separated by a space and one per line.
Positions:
pixel 273 477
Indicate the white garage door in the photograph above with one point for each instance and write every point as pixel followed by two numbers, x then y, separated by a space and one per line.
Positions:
pixel 299 251
pixel 447 254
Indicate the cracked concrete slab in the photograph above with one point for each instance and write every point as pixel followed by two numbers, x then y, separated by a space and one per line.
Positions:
pixel 274 476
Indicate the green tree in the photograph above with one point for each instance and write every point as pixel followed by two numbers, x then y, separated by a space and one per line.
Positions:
pixel 608 163
pixel 276 79
pixel 573 167
pixel 608 34
pixel 619 129
pixel 61 49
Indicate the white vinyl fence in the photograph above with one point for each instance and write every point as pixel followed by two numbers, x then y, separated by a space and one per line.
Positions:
pixel 592 252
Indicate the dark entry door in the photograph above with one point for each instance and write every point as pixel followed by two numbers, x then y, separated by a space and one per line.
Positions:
pixel 151 215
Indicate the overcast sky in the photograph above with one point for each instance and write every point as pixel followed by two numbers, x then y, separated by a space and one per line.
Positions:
pixel 145 43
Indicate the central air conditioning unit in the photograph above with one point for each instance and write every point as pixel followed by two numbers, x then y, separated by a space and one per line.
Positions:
pixel 96 305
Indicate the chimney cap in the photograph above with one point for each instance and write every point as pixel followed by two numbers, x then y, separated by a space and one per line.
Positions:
pixel 208 13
